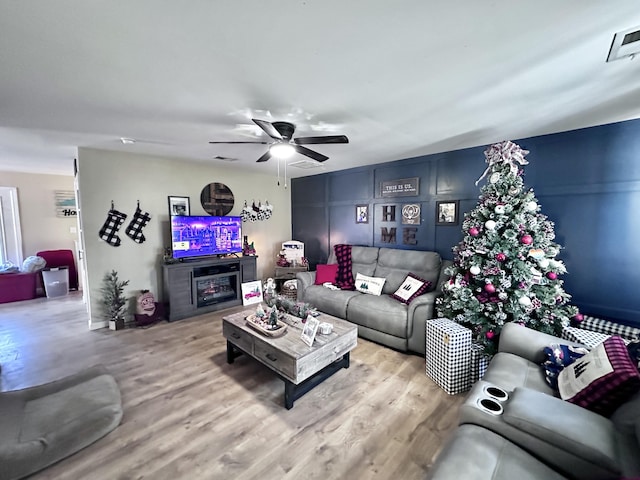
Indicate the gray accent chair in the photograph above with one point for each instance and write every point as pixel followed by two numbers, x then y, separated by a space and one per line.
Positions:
pixel 43 424
pixel 533 431
pixel 382 319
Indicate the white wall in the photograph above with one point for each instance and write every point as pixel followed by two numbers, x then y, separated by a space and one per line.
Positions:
pixel 41 228
pixel 126 178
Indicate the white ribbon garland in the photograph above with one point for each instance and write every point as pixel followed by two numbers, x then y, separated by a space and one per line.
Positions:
pixel 507 152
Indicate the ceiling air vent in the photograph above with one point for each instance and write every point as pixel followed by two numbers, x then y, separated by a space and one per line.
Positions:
pixel 305 164
pixel 625 44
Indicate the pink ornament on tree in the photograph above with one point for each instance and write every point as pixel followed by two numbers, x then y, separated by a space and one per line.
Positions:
pixel 473 231
pixel 489 334
pixel 526 239
pixel 578 317
pixel 501 257
pixel 552 275
pixel 489 288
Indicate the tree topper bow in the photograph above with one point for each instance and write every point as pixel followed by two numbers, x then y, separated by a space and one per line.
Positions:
pixel 507 152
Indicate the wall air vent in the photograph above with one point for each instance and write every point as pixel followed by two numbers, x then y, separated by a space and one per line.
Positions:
pixel 626 44
pixel 305 164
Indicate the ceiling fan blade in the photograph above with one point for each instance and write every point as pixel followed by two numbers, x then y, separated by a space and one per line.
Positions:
pixel 268 128
pixel 265 157
pixel 318 157
pixel 262 143
pixel 319 140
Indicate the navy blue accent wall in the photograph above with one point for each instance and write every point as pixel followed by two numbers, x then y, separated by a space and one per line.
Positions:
pixel 587 181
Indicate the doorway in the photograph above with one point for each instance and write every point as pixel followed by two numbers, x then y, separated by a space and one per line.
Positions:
pixel 10 231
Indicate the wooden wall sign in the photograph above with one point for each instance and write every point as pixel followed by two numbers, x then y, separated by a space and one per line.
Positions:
pixel 404 187
pixel 65 201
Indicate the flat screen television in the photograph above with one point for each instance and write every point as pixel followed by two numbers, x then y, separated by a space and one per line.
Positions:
pixel 206 235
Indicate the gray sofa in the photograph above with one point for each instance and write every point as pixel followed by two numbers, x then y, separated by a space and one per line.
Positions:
pixel 533 434
pixel 382 319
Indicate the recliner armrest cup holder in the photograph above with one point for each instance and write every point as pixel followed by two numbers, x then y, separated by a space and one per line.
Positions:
pixel 496 393
pixel 489 405
pixel 492 399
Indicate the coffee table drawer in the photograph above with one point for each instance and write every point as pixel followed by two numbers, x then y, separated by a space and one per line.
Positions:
pixel 275 359
pixel 237 336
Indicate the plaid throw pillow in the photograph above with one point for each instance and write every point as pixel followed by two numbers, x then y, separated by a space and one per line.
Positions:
pixel 601 380
pixel 344 278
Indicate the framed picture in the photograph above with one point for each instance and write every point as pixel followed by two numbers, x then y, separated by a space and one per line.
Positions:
pixel 411 214
pixel 309 330
pixel 179 206
pixel 447 212
pixel 362 213
pixel 251 292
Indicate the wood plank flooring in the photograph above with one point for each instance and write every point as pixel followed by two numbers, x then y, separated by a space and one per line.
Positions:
pixel 190 415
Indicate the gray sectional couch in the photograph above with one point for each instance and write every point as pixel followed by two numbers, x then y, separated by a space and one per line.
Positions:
pixel 533 434
pixel 382 319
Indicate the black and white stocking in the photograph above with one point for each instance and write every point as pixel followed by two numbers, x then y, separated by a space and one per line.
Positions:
pixel 138 222
pixel 109 231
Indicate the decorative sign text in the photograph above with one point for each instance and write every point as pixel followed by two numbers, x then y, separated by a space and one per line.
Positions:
pixel 65 202
pixel 404 187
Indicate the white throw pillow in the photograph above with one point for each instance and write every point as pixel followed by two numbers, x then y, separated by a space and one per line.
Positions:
pixel 371 285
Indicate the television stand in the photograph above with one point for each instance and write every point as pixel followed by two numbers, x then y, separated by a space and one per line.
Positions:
pixel 205 285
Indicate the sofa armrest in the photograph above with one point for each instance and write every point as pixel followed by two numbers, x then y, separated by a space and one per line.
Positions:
pixel 425 300
pixel 527 343
pixel 443 277
pixel 572 430
pixel 305 279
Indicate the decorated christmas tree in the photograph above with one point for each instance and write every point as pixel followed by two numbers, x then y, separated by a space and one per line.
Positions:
pixel 505 268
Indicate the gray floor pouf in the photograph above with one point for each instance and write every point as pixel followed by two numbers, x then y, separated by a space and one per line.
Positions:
pixel 43 424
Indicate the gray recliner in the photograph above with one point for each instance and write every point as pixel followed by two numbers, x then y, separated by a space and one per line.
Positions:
pixel 530 433
pixel 43 424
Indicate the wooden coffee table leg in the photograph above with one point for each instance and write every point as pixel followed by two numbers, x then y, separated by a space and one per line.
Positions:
pixel 292 392
pixel 233 352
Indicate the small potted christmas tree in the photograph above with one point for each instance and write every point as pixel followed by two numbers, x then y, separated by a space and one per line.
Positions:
pixel 113 299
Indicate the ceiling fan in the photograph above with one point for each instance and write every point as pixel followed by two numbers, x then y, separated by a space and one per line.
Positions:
pixel 284 146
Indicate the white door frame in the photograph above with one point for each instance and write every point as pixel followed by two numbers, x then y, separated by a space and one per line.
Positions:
pixel 11 241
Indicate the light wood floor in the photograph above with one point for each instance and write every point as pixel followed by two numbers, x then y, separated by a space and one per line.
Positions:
pixel 190 415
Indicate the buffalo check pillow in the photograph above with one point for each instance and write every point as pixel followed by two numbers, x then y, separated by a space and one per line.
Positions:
pixel 412 286
pixel 601 380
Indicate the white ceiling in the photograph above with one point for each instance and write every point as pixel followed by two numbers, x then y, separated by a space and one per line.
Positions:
pixel 400 79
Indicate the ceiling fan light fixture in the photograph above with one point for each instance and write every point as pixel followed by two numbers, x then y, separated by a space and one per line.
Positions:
pixel 282 150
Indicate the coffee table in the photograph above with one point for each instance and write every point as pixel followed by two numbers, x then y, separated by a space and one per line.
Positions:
pixel 300 366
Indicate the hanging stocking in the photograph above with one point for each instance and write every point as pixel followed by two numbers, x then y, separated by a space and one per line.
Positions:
pixel 112 224
pixel 138 222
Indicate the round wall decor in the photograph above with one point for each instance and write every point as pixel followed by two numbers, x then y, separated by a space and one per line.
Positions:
pixel 216 199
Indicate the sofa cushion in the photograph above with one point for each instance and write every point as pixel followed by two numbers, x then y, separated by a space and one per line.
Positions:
pixel 601 380
pixel 326 273
pixel 379 313
pixel 412 287
pixel 333 302
pixel 364 260
pixel 370 285
pixel 475 453
pixel 394 265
